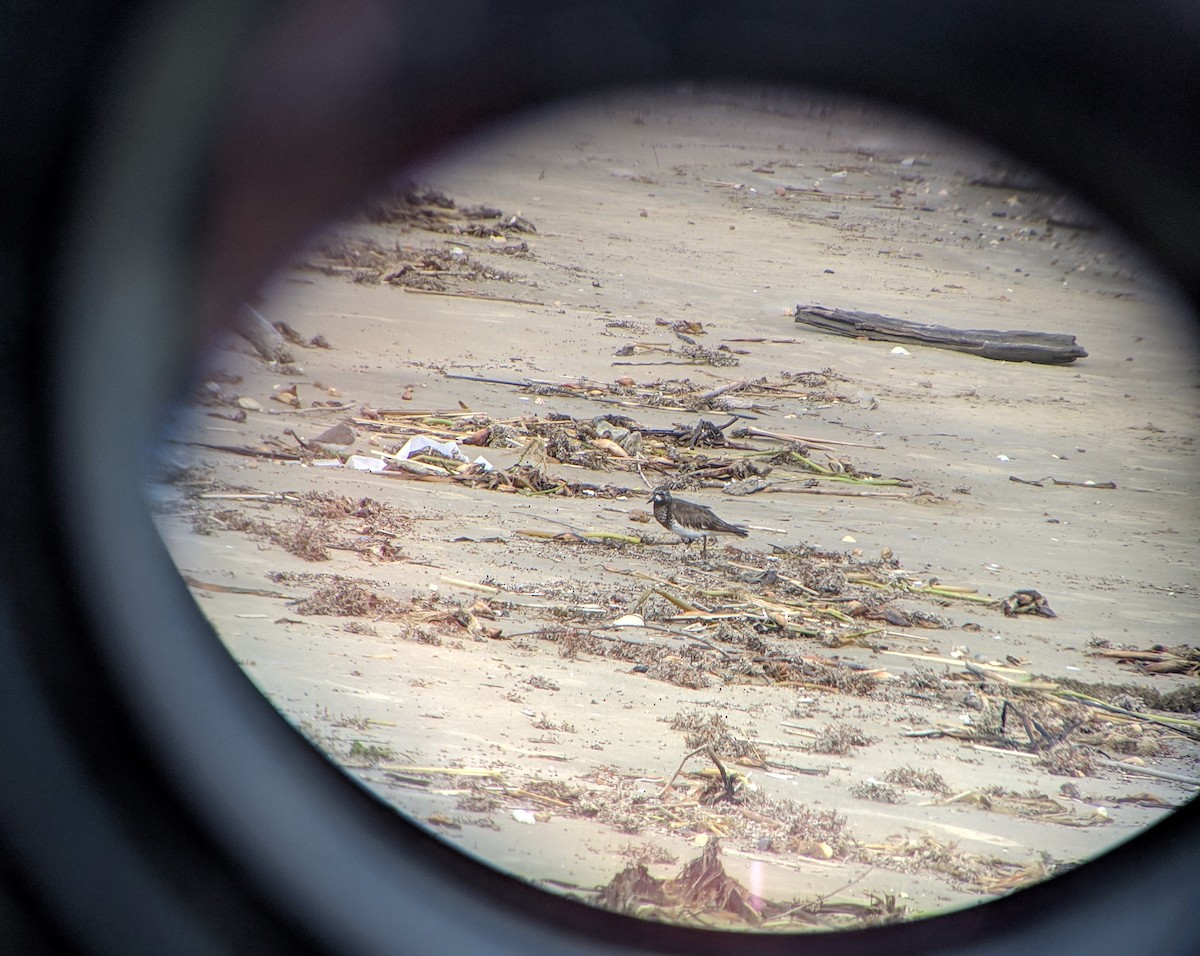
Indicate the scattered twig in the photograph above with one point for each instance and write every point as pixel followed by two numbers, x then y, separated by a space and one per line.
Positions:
pixel 482 296
pixel 667 789
pixel 804 440
pixel 1095 485
pixel 821 194
pixel 954 662
pixel 1190 728
pixel 780 488
pixel 231 496
pixel 516 383
pixel 1148 771
pixel 469 585
pixel 448 771
pixel 235 589
pixel 246 451
pixel 761 340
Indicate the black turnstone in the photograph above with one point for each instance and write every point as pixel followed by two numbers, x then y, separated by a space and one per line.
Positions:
pixel 690 520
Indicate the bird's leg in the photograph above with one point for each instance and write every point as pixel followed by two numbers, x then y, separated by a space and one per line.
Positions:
pixel 704 548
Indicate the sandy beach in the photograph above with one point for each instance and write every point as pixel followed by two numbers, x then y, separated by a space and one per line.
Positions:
pixel 600 300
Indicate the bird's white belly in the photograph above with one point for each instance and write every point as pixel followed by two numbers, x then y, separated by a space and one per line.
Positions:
pixel 690 534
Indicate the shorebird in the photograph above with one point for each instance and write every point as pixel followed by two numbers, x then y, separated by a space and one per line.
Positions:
pixel 690 520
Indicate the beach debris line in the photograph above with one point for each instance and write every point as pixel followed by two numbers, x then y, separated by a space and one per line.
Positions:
pixel 1063 729
pixel 431 209
pixel 1048 348
pixel 428 444
pixel 1029 805
pixel 617 441
pixel 409 267
pixel 425 268
pixel 816 389
pixel 690 351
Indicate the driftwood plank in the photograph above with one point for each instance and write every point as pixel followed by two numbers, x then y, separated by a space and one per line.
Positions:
pixel 1049 348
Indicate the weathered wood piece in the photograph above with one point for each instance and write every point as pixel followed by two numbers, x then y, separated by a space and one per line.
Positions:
pixel 1049 348
pixel 255 329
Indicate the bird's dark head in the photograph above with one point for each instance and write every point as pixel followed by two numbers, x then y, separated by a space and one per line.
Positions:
pixel 661 496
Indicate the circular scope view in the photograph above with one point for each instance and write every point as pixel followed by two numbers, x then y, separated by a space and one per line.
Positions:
pixel 739 509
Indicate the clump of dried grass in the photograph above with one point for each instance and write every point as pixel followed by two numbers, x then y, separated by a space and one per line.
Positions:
pixel 311 536
pixel 876 790
pixel 713 731
pixel 811 831
pixel 915 779
pixel 840 739
pixel 305 539
pixel 349 599
pixel 1069 762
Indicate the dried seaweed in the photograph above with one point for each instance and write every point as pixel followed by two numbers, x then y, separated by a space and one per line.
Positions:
pixel 314 535
pixel 913 778
pixel 347 599
pixel 841 739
